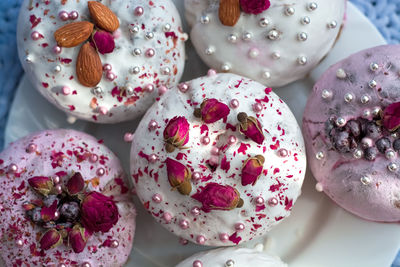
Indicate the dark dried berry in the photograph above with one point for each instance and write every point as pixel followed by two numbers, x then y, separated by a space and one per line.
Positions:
pixel 48 201
pixel 372 130
pixel 396 145
pixel 35 215
pixel 342 142
pixel 383 144
pixel 354 128
pixel 371 153
pixel 70 211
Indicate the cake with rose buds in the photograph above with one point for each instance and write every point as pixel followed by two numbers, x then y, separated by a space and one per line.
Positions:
pixel 104 62
pixel 274 42
pixel 231 257
pixel 219 160
pixel 351 127
pixel 65 202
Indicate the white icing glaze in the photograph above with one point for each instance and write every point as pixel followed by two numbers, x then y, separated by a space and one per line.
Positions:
pixel 15 191
pixel 282 179
pixel 49 74
pixel 273 62
pixel 242 257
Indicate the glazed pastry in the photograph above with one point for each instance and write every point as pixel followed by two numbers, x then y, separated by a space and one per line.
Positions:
pixel 231 257
pixel 273 42
pixel 219 160
pixel 65 202
pixel 351 126
pixel 104 62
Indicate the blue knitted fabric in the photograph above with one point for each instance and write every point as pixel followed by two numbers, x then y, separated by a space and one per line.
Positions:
pixel 385 14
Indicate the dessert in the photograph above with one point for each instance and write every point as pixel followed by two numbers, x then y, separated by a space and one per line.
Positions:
pixel 65 202
pixel 351 131
pixel 104 62
pixel 218 160
pixel 273 42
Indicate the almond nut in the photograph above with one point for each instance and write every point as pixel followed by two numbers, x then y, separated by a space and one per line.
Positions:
pixel 229 12
pixel 73 34
pixel 89 69
pixel 103 17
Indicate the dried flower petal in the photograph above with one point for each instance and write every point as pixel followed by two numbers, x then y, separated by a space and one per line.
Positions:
pixel 51 239
pixel 179 176
pixel 391 117
pixel 41 184
pixel 251 127
pixel 104 42
pixel 252 170
pixel 176 133
pixel 48 213
pixel 77 238
pixel 75 184
pixel 218 197
pixel 28 206
pixel 254 6
pixel 212 110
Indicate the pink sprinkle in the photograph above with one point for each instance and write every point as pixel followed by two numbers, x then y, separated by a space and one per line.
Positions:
pixel 162 90
pixel 167 217
pixel 63 15
pixel 117 34
pixel 211 72
pixel 66 90
pixel 128 137
pixel 139 11
pixel 103 110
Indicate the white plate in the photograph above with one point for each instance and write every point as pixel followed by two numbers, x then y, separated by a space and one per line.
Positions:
pixel 318 233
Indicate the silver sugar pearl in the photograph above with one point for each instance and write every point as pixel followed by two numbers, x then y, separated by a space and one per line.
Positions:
pixel 392 167
pixel 341 122
pixel 326 94
pixel 166 70
pixel 374 66
pixel 229 263
pixel 204 19
pixel 366 113
pixel 209 50
pixel 348 97
pixel 97 91
pixel 302 36
pixel 276 55
pixel 302 60
pixel 320 155
pixel 263 22
pixel 28 59
pixel 395 135
pixel 372 84
pixel 273 34
pixel 247 36
pixel 135 29
pixel 365 99
pixel 376 111
pixel 232 38
pixel 305 20
pixel 225 67
pixel 167 27
pixel 266 75
pixel 149 35
pixel 135 70
pixel 312 6
pixel 137 52
pixel 390 154
pixel 365 180
pixel 358 153
pixel 289 11
pixel 332 24
pixel 130 90
pixel 57 69
pixel 341 74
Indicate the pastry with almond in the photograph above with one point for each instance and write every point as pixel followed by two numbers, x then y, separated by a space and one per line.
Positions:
pixel 219 161
pixel 104 62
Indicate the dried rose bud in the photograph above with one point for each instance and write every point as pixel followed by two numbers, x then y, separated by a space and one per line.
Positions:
pixel 75 184
pixel 51 239
pixel 104 42
pixel 48 213
pixel 28 206
pixel 211 110
pixel 251 127
pixel 252 170
pixel 254 6
pixel 391 117
pixel 77 238
pixel 41 184
pixel 218 197
pixel 179 176
pixel 176 133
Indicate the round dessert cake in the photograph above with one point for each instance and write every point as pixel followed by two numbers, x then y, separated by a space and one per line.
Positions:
pixel 231 257
pixel 351 128
pixel 273 42
pixel 65 202
pixel 104 62
pixel 218 160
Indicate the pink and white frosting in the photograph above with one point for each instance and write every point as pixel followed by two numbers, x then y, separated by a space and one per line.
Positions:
pixel 219 160
pixel 273 42
pixel 233 257
pixel 65 202
pixel 147 57
pixel 351 131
